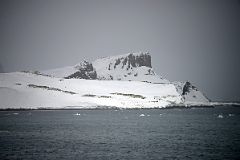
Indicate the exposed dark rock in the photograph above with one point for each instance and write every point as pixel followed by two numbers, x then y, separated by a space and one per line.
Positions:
pixel 50 88
pixel 143 59
pixel 89 95
pixel 85 71
pixel 117 63
pixel 129 95
pixel 150 72
pixel 187 88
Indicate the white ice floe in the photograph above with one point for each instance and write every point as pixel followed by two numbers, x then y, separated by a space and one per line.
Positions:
pixel 220 116
pixel 230 115
pixel 141 115
pixel 77 114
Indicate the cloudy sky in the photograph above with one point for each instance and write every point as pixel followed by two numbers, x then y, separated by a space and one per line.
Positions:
pixel 195 40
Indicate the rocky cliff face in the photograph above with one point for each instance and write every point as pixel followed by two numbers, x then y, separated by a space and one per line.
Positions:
pixel 132 60
pixel 190 93
pixel 84 70
pixel 128 67
pixel 187 88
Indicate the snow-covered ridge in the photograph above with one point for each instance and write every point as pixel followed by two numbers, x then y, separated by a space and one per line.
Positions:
pixel 126 67
pixel 123 81
pixel 131 66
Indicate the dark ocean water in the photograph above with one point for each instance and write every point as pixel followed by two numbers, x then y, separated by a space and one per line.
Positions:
pixel 211 133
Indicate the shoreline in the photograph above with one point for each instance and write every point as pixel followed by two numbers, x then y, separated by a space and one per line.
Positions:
pixel 188 106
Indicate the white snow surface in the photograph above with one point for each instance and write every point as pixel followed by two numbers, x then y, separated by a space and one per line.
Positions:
pixel 15 93
pixel 122 82
pixel 61 72
pixel 194 97
pixel 106 69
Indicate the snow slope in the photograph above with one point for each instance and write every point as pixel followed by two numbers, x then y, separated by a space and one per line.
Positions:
pixel 131 66
pixel 124 81
pixel 28 90
pixel 191 95
pixel 82 70
pixel 126 67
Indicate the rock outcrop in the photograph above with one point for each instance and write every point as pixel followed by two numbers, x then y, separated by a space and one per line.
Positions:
pixel 190 93
pixel 127 67
pixel 85 70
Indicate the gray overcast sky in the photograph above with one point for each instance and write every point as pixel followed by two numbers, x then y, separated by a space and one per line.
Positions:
pixel 195 40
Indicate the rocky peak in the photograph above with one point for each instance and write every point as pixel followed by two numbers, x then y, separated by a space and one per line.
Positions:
pixel 131 60
pixel 127 67
pixel 84 66
pixel 134 60
pixel 188 87
pixel 85 70
pixel 190 93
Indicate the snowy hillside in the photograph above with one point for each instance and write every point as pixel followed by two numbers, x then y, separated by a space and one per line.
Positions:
pixel 28 90
pixel 123 81
pixel 131 66
pixel 190 93
pixel 83 70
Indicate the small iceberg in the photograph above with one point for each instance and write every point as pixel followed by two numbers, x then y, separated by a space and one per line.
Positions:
pixel 141 115
pixel 220 116
pixel 230 115
pixel 77 114
pixel 15 113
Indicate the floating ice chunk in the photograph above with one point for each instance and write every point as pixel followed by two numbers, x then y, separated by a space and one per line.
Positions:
pixel 148 115
pixel 141 115
pixel 230 115
pixel 77 114
pixel 160 114
pixel 220 116
pixel 4 131
pixel 15 113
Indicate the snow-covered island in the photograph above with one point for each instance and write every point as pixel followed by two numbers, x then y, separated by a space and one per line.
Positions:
pixel 123 81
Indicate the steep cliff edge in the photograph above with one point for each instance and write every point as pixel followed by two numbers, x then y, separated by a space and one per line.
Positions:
pixel 127 67
pixel 84 70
